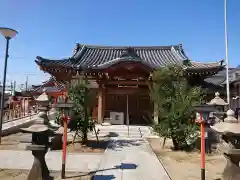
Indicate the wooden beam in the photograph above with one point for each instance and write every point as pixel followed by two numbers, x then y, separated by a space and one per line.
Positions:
pixel 127 91
pixel 124 82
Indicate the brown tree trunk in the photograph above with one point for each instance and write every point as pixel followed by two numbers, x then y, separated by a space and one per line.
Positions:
pixel 175 143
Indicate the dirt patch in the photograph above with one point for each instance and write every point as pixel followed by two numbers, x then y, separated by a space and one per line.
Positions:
pixel 6 174
pixel 186 165
pixel 12 142
pixel 19 141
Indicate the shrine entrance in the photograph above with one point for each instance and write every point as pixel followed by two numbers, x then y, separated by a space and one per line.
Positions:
pixel 135 109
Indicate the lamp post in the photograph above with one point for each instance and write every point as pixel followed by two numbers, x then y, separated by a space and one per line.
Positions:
pixel 8 34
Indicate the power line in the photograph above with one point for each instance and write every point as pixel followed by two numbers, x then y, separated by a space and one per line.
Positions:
pixel 16 57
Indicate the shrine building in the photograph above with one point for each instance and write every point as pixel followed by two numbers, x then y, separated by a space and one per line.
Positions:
pixel 120 75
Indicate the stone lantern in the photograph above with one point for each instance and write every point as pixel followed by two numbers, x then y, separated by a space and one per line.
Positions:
pixel 40 140
pixel 230 131
pixel 205 110
pixel 220 105
pixel 218 102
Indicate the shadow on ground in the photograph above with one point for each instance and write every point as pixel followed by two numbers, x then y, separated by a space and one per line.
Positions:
pixel 56 144
pixel 112 134
pixel 118 144
pixel 122 166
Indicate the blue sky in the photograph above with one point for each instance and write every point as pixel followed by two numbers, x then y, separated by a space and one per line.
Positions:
pixel 51 28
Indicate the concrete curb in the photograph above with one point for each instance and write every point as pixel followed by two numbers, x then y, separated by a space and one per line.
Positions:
pixel 159 160
pixel 14 126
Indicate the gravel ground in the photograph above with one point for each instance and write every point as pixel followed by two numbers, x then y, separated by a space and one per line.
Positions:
pixel 186 165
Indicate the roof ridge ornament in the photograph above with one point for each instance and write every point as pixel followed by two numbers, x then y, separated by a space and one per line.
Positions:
pixel 129 52
pixel 180 46
pixel 76 49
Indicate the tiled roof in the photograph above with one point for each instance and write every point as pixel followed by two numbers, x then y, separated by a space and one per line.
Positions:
pixel 220 78
pixel 200 65
pixel 59 85
pixel 89 57
pixel 93 56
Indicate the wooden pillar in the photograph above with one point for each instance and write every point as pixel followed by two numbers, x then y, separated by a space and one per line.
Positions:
pixel 101 105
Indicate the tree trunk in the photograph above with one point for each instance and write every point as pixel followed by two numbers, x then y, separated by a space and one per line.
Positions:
pixel 85 138
pixel 85 128
pixel 175 143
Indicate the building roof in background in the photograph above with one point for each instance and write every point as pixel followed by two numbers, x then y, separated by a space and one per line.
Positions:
pixel 220 78
pixel 51 85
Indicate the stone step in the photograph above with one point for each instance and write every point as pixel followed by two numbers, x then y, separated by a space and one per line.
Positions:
pixel 123 129
pixel 122 134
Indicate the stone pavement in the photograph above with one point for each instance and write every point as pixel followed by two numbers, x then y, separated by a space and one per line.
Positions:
pixel 76 162
pixel 130 159
pixel 126 158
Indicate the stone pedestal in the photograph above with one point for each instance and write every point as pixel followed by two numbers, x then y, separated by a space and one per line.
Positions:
pixel 39 149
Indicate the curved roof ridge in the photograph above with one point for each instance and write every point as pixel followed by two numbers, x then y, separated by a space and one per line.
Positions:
pixel 175 53
pixel 118 60
pixel 39 58
pixel 213 62
pixel 127 46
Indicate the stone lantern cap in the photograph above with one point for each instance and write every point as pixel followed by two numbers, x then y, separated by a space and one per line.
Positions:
pixel 217 100
pixel 36 128
pixel 230 124
pixel 43 97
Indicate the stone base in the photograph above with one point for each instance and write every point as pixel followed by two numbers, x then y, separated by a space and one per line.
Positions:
pixel 106 124
pixel 231 171
pixel 39 170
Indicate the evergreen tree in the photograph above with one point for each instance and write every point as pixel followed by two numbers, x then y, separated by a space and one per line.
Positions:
pixel 175 101
pixel 82 97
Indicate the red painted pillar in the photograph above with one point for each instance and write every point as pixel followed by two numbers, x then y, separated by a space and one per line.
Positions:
pixel 202 124
pixel 64 146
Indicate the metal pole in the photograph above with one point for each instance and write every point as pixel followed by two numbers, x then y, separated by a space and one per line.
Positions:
pixel 127 116
pixel 3 88
pixel 202 124
pixel 226 52
pixel 64 146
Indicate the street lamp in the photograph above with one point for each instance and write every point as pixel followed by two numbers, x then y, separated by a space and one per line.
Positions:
pixel 8 33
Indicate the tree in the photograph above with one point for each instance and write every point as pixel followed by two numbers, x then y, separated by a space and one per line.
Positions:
pixel 82 97
pixel 175 101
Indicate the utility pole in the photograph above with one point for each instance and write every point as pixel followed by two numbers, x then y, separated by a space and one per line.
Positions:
pixel 14 86
pixel 11 88
pixel 26 84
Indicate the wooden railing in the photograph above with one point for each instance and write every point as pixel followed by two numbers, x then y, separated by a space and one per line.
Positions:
pixel 13 114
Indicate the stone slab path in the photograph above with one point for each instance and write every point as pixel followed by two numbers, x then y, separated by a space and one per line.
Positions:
pixel 76 162
pixel 130 159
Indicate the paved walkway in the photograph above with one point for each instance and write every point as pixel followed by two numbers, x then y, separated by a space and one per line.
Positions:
pixel 131 159
pixel 10 159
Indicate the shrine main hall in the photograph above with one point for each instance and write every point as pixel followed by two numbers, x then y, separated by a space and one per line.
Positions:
pixel 120 75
